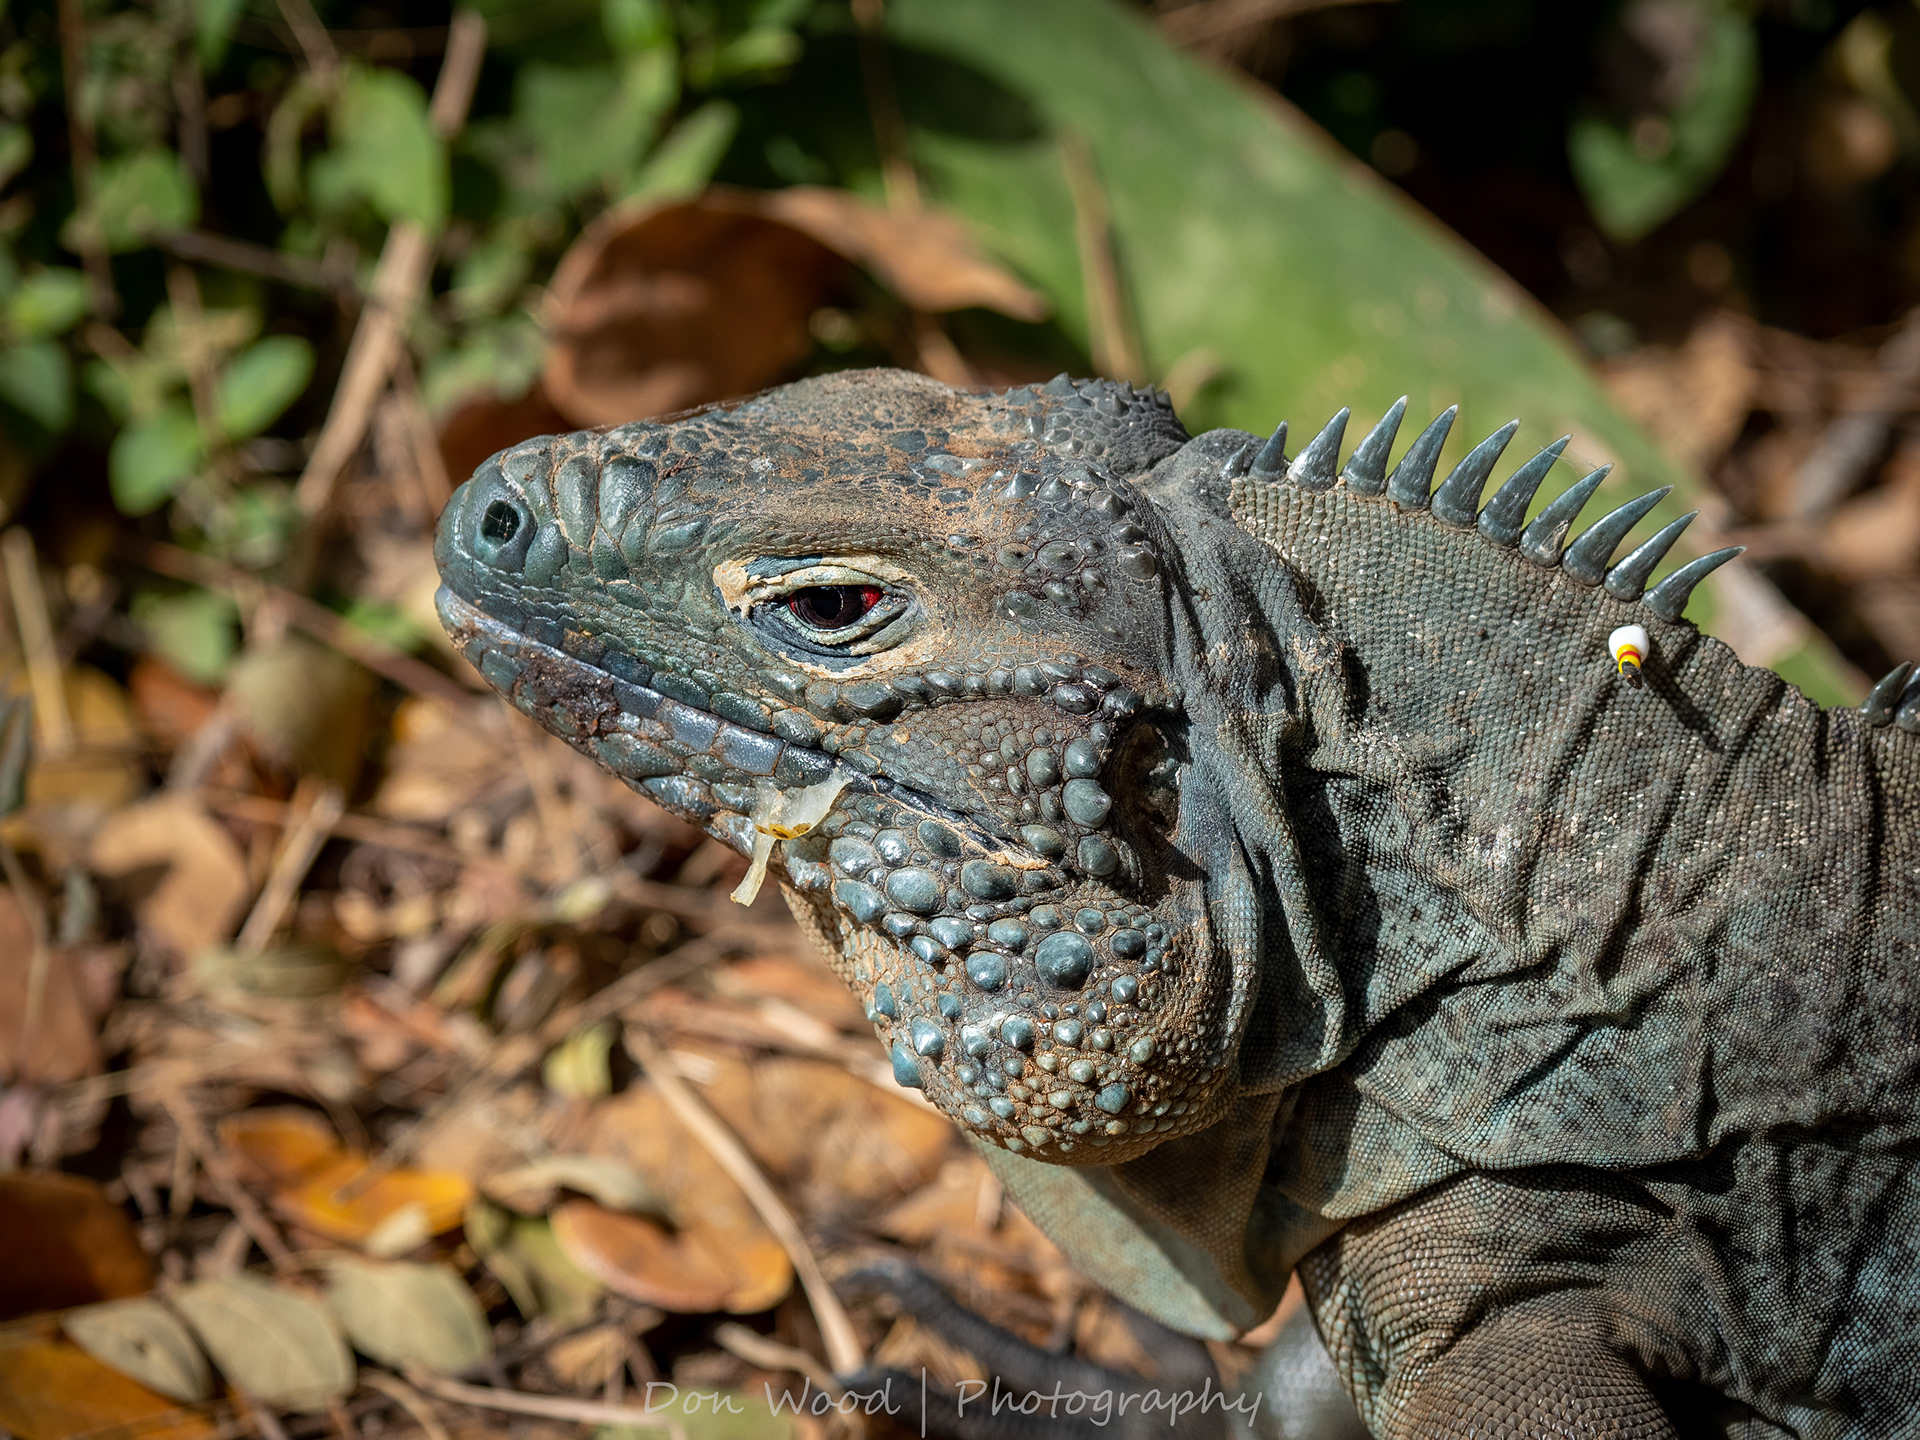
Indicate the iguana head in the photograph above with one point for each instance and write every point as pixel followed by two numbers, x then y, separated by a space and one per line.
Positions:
pixel 926 633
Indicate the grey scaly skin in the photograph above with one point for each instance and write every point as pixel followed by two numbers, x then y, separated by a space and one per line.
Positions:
pixel 1264 862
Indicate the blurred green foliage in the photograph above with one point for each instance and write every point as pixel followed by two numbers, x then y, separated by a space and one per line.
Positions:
pixel 184 249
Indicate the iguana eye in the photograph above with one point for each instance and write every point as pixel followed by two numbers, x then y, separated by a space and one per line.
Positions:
pixel 833 607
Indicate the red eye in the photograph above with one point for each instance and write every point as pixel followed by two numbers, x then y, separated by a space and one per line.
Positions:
pixel 833 607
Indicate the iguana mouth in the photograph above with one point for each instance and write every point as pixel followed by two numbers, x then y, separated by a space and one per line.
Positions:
pixel 649 740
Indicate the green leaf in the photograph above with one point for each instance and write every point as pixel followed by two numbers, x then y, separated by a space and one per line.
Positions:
pixel 135 198
pixel 685 160
pixel 261 382
pixel 47 302
pixel 194 632
pixel 402 1314
pixel 269 1340
pixel 143 1340
pixel 16 149
pixel 590 124
pixel 384 150
pixel 754 52
pixel 213 22
pixel 1634 182
pixel 37 380
pixel 152 457
pixel 636 25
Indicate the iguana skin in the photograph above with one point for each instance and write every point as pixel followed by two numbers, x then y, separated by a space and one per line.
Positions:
pixel 1288 868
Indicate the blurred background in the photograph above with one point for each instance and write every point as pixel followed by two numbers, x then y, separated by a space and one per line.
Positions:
pixel 330 990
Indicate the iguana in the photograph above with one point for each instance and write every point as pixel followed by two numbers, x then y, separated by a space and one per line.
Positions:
pixel 1265 860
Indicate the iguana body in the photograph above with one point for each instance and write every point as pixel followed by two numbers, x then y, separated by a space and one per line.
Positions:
pixel 1287 866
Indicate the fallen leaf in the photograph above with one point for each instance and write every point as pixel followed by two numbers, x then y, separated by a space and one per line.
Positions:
pixel 700 1413
pixel 291 970
pixel 577 1068
pixel 820 1129
pixel 702 1201
pixel 403 1314
pixel 317 1184
pixel 188 878
pixel 585 1362
pixel 103 769
pixel 340 1204
pixel 279 1146
pixel 803 982
pixel 682 303
pixel 304 704
pixel 925 256
pixel 532 1189
pixel 51 1389
pixel 270 1341
pixel 641 1258
pixel 144 1341
pixel 476 429
pixel 64 1044
pixel 169 705
pixel 66 1244
pixel 527 1260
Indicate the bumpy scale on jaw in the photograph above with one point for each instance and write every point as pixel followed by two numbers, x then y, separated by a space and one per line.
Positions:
pixel 952 603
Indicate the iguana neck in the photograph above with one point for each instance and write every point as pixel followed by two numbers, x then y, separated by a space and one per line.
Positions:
pixel 1537 912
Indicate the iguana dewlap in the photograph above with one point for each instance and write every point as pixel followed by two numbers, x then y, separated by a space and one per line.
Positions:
pixel 1278 852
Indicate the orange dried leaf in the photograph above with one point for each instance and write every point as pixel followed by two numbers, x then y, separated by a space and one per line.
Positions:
pixel 339 1203
pixel 280 1147
pixel 66 1244
pixel 64 1044
pixel 51 1389
pixel 640 1258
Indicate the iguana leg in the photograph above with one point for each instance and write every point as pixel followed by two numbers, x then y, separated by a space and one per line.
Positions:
pixel 1487 1307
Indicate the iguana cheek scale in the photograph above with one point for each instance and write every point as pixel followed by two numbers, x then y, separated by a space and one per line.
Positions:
pixel 1275 846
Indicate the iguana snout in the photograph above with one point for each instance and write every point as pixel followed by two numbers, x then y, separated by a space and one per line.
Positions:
pixel 939 624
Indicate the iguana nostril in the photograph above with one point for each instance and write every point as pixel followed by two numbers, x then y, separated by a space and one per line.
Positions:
pixel 504 535
pixel 499 524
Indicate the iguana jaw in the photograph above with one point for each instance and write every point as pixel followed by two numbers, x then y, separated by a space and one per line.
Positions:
pixel 1042 1006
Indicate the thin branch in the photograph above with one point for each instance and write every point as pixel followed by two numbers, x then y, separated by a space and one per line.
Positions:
pixel 251 259
pixel 1110 330
pixel 844 1352
pixel 547 1407
pixel 300 845
pixel 187 1120
pixel 44 671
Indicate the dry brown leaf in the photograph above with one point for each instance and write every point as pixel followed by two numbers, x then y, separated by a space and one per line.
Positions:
pixel 1696 398
pixel 804 983
pixel 1877 535
pixel 815 1126
pixel 64 1044
pixel 679 304
pixel 701 1199
pixel 924 256
pixel 66 1245
pixel 51 1389
pixel 170 706
pixel 585 1362
pixel 103 769
pixel 641 1259
pixel 486 424
pixel 189 878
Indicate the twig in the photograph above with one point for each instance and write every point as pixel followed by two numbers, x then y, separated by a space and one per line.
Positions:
pixel 432 486
pixel 756 1349
pixel 323 60
pixel 547 1407
pixel 73 76
pixel 44 672
pixel 844 1351
pixel 405 262
pixel 408 1399
pixel 318 621
pixel 1110 334
pixel 1849 445
pixel 34 908
pixel 299 847
pixel 248 258
pixel 897 175
pixel 528 746
pixel 187 1120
